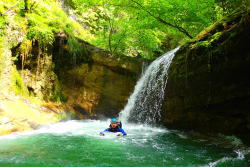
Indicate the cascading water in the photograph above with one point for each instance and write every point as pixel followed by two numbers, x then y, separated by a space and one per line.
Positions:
pixel 77 143
pixel 145 104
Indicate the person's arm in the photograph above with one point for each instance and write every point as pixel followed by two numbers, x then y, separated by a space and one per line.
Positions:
pixel 123 132
pixel 106 130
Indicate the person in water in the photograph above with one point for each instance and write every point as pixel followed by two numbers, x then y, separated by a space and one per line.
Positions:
pixel 118 122
pixel 114 127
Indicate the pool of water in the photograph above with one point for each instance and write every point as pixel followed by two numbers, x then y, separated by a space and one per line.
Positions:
pixel 78 144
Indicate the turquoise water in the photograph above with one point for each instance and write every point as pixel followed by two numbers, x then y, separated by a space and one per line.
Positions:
pixel 77 144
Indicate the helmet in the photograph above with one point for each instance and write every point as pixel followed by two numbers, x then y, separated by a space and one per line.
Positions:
pixel 113 120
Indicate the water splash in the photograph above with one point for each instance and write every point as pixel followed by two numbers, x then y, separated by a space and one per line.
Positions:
pixel 88 128
pixel 145 104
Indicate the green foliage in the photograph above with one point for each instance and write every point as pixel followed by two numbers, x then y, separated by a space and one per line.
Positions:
pixel 1 62
pixel 74 46
pixel 225 7
pixel 147 27
pixel 17 84
pixel 42 34
pixel 131 27
pixel 2 26
pixel 2 33
pixel 27 5
pixel 43 20
pixel 134 28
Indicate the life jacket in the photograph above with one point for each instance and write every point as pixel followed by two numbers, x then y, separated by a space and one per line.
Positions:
pixel 116 129
pixel 119 125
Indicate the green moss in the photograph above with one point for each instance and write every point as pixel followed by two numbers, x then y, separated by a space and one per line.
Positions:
pixel 57 94
pixel 17 84
pixel 200 44
pixel 207 43
pixel 42 35
pixel 215 37
pixel 74 45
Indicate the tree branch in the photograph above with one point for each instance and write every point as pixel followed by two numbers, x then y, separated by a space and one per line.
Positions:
pixel 163 21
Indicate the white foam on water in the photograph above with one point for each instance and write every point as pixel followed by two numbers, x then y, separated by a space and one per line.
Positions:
pixel 213 164
pixel 87 128
pixel 240 156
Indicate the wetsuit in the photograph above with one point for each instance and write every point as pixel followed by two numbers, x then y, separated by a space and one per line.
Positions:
pixel 119 125
pixel 116 129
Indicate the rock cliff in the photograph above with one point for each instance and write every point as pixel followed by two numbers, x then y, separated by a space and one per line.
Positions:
pixel 208 86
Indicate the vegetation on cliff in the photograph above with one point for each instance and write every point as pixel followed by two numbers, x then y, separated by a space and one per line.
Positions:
pixel 40 21
pixel 34 33
pixel 28 31
pixel 137 28
pixel 27 34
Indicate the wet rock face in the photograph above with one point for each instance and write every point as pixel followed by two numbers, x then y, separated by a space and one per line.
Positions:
pixel 95 83
pixel 91 82
pixel 95 90
pixel 208 86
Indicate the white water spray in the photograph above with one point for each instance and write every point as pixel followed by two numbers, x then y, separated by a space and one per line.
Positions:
pixel 145 104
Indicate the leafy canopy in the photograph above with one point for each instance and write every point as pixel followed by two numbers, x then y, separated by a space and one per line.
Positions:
pixel 142 27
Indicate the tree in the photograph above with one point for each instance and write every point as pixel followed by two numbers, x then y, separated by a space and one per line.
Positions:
pixel 142 27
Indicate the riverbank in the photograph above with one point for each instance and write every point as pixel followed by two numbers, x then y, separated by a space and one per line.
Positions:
pixel 19 114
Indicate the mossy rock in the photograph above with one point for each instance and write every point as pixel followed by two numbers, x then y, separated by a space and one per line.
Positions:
pixel 208 88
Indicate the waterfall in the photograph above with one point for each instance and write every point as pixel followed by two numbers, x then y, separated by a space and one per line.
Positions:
pixel 145 103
